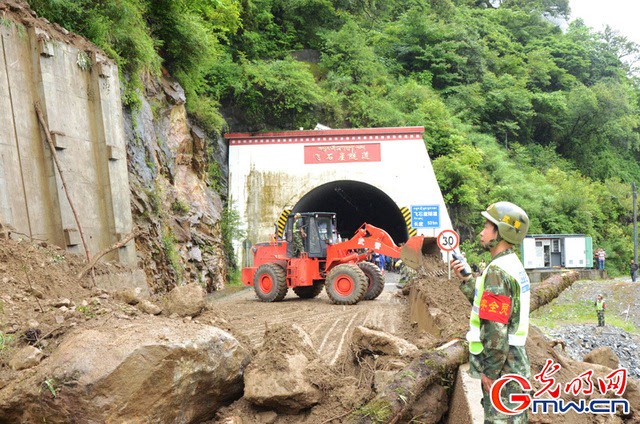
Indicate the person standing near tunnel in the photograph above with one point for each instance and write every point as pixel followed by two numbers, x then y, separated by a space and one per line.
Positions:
pixel 298 235
pixel 500 298
pixel 600 307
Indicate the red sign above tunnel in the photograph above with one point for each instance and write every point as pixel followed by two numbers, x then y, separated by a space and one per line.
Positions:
pixel 342 153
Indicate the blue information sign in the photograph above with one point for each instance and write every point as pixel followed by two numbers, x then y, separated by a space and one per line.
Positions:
pixel 425 216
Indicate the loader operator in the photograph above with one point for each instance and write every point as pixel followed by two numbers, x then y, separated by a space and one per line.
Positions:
pixel 499 320
pixel 298 236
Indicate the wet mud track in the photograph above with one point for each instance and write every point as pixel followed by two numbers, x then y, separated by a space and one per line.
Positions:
pixel 329 325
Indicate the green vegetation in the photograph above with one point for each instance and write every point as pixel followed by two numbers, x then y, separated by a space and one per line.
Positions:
pixel 89 311
pixel 555 313
pixel 235 278
pixel 169 248
pixel 54 257
pixel 577 312
pixel 5 341
pixel 50 384
pixel 513 107
pixel 180 207
pixel 155 198
pixel 625 325
pixel 214 175
pixel 230 227
pixel 379 411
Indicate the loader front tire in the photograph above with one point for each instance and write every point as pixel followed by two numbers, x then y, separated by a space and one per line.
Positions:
pixel 375 280
pixel 270 282
pixel 346 284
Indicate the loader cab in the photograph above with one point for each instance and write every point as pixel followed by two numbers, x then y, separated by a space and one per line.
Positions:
pixel 320 228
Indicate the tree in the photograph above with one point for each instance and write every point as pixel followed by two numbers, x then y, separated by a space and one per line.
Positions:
pixel 424 43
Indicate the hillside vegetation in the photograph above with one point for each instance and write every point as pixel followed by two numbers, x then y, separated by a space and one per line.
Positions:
pixel 514 107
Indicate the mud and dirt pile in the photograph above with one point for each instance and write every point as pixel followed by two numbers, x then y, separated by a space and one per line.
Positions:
pixel 434 311
pixel 41 299
pixel 85 354
pixel 437 304
pixel 296 385
pixel 287 382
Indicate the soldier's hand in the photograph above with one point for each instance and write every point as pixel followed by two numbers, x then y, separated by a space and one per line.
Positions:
pixel 457 268
pixel 487 383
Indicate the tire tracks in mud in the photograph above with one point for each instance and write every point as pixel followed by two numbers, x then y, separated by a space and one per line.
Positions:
pixel 329 326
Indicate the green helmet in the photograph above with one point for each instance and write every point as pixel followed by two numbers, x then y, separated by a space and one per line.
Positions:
pixel 511 220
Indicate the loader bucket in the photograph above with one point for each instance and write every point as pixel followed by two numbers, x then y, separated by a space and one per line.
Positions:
pixel 418 247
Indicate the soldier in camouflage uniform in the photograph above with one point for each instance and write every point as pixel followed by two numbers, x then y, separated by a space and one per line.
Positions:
pixel 298 236
pixel 500 316
pixel 406 274
pixel 600 307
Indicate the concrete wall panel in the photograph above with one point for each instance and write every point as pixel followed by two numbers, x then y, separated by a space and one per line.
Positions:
pixel 12 201
pixel 36 172
pixel 80 98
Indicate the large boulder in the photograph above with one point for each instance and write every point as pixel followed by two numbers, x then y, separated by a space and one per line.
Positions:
pixel 602 355
pixel 278 377
pixel 186 300
pixel 166 371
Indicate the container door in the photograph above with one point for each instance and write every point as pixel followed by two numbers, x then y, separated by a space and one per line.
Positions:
pixel 575 252
pixel 542 249
pixel 529 253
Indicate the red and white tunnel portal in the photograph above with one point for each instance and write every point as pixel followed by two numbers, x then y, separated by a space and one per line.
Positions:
pixel 382 176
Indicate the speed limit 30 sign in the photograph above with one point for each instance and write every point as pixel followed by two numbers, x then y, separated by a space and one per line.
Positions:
pixel 448 240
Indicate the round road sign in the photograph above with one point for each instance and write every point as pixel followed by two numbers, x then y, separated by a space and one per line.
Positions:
pixel 448 240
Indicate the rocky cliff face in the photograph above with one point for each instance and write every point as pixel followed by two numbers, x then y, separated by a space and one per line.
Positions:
pixel 172 191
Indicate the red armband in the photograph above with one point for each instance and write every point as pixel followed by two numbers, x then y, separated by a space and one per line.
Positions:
pixel 494 307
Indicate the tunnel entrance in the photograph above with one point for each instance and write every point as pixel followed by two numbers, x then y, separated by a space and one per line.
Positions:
pixel 354 204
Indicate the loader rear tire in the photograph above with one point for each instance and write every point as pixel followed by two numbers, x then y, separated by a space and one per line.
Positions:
pixel 375 280
pixel 346 284
pixel 309 292
pixel 270 282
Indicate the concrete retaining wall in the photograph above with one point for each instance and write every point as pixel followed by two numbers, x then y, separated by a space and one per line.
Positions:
pixel 80 97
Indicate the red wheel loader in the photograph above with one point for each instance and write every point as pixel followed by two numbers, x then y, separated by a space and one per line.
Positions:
pixel 326 262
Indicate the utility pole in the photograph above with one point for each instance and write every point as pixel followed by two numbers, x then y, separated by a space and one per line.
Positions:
pixel 635 224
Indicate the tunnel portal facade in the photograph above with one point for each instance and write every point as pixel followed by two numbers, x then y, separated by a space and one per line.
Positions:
pixel 381 176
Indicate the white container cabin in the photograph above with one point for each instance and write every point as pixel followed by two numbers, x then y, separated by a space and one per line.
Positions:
pixel 545 251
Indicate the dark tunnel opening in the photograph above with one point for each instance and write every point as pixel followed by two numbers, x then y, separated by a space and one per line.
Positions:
pixel 354 204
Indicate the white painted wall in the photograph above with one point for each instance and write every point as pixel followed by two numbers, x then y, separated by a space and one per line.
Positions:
pixel 404 173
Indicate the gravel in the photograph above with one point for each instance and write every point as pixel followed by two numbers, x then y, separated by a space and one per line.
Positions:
pixel 581 339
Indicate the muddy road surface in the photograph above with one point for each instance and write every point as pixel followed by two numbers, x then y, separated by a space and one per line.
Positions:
pixel 328 325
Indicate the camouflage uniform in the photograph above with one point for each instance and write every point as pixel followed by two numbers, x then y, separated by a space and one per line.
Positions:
pixel 600 307
pixel 298 245
pixel 498 357
pixel 406 274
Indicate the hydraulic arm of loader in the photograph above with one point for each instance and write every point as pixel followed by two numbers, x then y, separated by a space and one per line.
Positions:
pixel 372 238
pixel 378 240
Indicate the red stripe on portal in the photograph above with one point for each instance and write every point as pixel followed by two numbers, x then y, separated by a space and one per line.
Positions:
pixel 329 136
